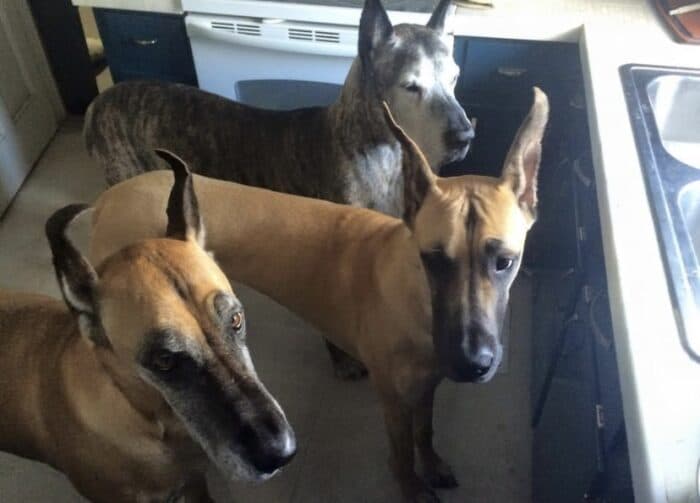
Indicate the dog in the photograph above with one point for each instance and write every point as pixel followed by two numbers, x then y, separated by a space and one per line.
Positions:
pixel 416 300
pixel 144 376
pixel 344 153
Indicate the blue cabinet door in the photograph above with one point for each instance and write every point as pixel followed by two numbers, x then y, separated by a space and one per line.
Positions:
pixel 145 46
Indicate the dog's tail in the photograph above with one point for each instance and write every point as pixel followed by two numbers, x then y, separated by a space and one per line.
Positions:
pixel 113 136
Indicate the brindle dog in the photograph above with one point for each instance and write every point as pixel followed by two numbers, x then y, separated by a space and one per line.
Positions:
pixel 144 377
pixel 415 300
pixel 345 153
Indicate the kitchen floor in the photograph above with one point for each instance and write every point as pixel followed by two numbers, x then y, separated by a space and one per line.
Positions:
pixel 483 431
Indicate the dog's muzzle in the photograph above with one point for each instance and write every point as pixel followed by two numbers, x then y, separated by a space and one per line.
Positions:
pixel 458 141
pixel 274 453
pixel 475 357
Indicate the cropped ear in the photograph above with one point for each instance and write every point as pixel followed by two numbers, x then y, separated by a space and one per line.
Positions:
pixel 76 277
pixel 418 178
pixel 523 160
pixel 184 222
pixel 437 19
pixel 375 28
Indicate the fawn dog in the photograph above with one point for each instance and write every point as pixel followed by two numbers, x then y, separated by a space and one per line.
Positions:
pixel 416 300
pixel 145 377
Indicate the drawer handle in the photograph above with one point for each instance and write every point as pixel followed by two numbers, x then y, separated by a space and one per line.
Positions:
pixel 511 71
pixel 145 41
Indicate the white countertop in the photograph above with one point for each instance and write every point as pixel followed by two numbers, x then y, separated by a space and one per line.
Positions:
pixel 660 383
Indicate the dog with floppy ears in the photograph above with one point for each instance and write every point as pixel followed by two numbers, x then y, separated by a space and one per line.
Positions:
pixel 144 377
pixel 416 300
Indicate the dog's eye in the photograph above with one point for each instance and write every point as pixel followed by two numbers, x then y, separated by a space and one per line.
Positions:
pixel 412 88
pixel 164 360
pixel 504 263
pixel 237 321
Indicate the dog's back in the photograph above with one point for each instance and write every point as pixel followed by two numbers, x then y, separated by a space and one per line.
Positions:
pixel 221 138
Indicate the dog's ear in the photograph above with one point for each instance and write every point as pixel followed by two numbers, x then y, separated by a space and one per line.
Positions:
pixel 77 279
pixel 418 178
pixel 437 19
pixel 523 160
pixel 184 222
pixel 375 28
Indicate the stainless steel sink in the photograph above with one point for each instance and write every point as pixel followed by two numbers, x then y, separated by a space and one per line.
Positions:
pixel 689 204
pixel 675 102
pixel 664 107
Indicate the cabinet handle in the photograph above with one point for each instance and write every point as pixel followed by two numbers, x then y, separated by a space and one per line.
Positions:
pixel 145 41
pixel 511 71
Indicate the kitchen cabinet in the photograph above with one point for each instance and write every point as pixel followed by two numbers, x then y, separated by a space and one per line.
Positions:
pixel 146 46
pixel 495 88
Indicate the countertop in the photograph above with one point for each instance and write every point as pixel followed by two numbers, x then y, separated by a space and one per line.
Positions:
pixel 660 383
pixel 176 7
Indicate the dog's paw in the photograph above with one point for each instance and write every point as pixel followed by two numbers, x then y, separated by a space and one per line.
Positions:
pixel 441 476
pixel 349 369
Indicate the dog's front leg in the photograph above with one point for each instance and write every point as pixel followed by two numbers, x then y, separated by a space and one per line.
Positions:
pixel 437 472
pixel 398 416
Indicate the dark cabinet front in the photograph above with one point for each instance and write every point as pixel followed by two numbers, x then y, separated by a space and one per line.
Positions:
pixel 146 46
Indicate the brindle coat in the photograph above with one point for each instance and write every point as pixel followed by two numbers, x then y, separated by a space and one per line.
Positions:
pixel 344 153
pixel 144 378
pixel 415 301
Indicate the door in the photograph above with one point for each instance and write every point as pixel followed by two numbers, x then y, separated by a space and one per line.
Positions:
pixel 29 104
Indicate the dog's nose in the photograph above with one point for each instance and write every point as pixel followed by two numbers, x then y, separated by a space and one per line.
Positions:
pixel 276 456
pixel 482 360
pixel 461 136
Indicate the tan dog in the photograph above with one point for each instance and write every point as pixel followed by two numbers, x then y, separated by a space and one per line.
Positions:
pixel 145 374
pixel 415 301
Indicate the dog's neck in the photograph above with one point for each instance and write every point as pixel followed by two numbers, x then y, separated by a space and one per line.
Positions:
pixel 375 259
pixel 357 114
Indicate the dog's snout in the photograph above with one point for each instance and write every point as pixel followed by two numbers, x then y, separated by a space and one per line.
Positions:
pixel 482 360
pixel 270 439
pixel 465 135
pixel 276 454
pixel 476 356
pixel 461 134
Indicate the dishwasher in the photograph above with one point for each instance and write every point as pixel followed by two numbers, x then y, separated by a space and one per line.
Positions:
pixel 278 55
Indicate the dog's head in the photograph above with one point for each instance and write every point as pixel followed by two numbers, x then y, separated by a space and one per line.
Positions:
pixel 165 324
pixel 411 68
pixel 470 232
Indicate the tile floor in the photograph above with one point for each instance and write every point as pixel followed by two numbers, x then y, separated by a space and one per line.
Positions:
pixel 482 430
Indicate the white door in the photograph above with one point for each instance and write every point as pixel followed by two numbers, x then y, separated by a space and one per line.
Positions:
pixel 29 104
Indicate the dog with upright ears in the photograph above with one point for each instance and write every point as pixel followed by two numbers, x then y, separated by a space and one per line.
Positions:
pixel 343 153
pixel 145 377
pixel 416 300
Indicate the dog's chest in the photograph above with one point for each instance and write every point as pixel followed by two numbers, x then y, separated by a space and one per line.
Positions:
pixel 375 179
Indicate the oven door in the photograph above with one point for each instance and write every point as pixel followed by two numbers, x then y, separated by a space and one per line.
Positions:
pixel 271 63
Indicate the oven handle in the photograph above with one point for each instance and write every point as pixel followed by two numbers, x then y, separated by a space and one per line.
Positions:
pixel 200 27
